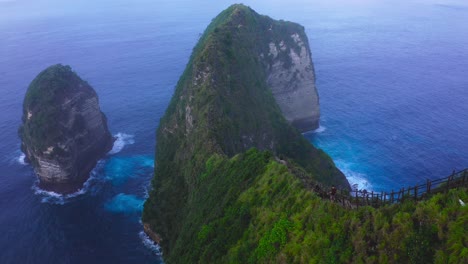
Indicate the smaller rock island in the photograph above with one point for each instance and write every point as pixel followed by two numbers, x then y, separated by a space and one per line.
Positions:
pixel 63 131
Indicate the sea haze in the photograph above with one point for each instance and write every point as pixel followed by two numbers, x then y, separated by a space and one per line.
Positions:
pixel 392 80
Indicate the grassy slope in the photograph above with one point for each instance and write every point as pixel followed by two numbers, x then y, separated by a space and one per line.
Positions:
pixel 209 208
pixel 276 220
pixel 251 209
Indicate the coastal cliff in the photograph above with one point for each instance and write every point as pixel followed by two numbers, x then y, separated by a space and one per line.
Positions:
pixel 291 77
pixel 227 127
pixel 64 133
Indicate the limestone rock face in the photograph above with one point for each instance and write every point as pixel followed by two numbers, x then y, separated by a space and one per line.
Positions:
pixel 64 133
pixel 291 79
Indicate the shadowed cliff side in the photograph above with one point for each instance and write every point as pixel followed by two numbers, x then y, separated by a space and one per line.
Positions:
pixel 225 104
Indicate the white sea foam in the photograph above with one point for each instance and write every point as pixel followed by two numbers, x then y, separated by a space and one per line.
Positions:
pixel 146 190
pixel 150 243
pixel 320 129
pixel 18 157
pixel 122 140
pixel 21 159
pixel 53 197
pixel 357 180
pixel 57 198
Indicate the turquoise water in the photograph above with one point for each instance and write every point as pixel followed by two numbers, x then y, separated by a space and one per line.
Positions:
pixel 125 203
pixel 391 77
pixel 394 91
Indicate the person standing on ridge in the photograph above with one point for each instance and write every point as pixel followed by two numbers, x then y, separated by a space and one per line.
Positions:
pixel 332 193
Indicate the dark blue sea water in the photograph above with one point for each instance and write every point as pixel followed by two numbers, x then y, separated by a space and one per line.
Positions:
pixel 392 79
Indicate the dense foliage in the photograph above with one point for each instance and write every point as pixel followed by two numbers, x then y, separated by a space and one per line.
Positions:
pixel 214 200
pixel 252 209
pixel 222 105
pixel 290 224
pixel 41 107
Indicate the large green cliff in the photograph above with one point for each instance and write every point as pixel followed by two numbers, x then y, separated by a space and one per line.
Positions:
pixel 223 106
pixel 233 175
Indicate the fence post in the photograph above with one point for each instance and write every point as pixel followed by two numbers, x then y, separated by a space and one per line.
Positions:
pixel 464 177
pixel 416 192
pixel 384 198
pixel 428 186
pixel 357 200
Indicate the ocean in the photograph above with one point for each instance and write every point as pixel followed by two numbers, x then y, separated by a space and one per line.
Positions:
pixel 392 78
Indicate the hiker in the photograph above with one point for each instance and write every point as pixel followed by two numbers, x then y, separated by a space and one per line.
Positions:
pixel 333 193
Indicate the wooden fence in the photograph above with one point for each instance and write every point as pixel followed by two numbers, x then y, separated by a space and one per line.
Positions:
pixel 357 198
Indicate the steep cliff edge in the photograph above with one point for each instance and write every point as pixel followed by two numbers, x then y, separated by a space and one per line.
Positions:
pixel 291 77
pixel 228 101
pixel 64 133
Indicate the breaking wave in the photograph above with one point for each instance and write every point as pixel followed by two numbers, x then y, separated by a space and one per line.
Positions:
pixel 17 157
pixel 155 248
pixel 320 129
pixel 53 197
pixel 121 141
pixel 21 159
pixel 56 198
pixel 357 180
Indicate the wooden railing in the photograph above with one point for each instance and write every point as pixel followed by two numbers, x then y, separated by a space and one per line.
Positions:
pixel 357 198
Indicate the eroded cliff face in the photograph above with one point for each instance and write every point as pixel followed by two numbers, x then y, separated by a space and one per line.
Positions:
pixel 291 78
pixel 64 132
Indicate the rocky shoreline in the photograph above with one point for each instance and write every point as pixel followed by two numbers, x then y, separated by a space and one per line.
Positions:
pixel 151 234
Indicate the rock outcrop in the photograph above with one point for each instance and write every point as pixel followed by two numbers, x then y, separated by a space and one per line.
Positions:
pixel 291 79
pixel 64 133
pixel 225 125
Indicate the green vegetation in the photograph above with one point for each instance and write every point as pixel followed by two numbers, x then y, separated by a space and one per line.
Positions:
pixel 221 196
pixel 41 103
pixel 319 231
pixel 223 106
pixel 251 209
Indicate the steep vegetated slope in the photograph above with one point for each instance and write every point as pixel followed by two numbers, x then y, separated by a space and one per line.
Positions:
pixel 222 192
pixel 223 106
pixel 274 219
